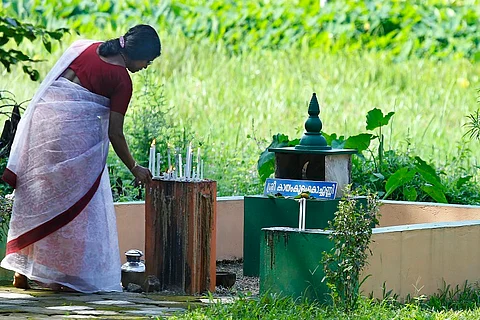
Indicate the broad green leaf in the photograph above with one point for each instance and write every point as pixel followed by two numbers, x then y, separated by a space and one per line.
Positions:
pixel 476 57
pixel 360 142
pixel 436 193
pixel 338 144
pixel 410 193
pixel 266 161
pixel 428 173
pixel 398 179
pixel 329 137
pixel 266 165
pixel 12 22
pixel 376 119
pixel 461 181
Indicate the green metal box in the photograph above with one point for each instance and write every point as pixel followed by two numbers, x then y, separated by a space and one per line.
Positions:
pixel 264 212
pixel 291 263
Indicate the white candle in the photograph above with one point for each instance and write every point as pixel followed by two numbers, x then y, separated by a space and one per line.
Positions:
pixel 150 158
pixel 198 164
pixel 191 172
pixel 168 155
pixel 201 171
pixel 300 214
pixel 180 165
pixel 304 212
pixel 159 161
pixel 153 158
pixel 188 163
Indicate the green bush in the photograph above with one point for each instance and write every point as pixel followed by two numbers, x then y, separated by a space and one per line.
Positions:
pixel 403 28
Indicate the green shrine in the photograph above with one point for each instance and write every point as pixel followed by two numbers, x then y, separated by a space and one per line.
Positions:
pixel 312 159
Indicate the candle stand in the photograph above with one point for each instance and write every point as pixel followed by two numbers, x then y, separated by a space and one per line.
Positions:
pixel 180 225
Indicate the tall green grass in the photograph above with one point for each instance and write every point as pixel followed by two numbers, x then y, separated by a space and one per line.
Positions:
pixel 287 309
pixel 225 100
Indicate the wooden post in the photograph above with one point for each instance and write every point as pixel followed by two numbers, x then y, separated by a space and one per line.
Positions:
pixel 180 234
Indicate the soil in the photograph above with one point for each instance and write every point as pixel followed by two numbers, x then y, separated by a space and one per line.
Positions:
pixel 248 286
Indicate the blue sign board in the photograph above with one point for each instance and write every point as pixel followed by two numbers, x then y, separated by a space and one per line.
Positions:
pixel 292 188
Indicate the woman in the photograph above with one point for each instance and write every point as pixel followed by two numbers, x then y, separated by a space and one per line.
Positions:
pixel 63 229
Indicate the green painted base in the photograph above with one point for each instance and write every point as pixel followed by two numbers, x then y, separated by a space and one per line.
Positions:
pixel 263 212
pixel 291 263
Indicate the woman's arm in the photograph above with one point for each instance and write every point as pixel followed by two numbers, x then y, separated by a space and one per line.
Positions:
pixel 115 133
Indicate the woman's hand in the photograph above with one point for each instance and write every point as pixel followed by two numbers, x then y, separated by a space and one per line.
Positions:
pixel 142 175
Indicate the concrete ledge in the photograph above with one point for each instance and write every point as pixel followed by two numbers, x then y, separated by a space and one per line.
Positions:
pixel 131 221
pixel 419 259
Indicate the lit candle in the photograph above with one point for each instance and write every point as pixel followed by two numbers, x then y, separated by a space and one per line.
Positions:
pixel 152 148
pixel 151 158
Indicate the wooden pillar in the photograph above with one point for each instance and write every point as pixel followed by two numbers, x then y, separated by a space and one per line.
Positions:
pixel 180 243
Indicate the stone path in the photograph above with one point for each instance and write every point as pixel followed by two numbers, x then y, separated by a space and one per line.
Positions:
pixel 44 304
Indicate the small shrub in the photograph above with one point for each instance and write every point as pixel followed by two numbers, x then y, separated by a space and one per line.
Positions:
pixel 6 206
pixel 352 231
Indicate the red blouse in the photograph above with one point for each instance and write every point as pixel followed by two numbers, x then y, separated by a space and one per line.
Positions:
pixel 100 77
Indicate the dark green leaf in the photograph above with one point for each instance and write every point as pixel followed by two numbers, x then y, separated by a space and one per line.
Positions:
pixel 461 181
pixel 376 119
pixel 47 44
pixel 266 161
pixel 410 193
pixel 398 179
pixel 436 193
pixel 266 165
pixel 360 142
pixel 12 22
pixel 428 173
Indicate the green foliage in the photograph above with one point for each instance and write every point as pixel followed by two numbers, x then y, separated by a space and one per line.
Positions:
pixel 450 303
pixel 10 109
pixel 5 213
pixel 12 30
pixel 403 28
pixel 466 297
pixel 394 176
pixel 149 120
pixel 217 94
pixel 473 125
pixel 351 235
pixel 376 119
pixel 266 161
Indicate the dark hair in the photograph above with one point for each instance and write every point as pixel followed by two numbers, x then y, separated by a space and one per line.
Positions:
pixel 141 43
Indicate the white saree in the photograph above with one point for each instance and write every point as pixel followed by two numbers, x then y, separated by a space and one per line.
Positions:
pixel 63 227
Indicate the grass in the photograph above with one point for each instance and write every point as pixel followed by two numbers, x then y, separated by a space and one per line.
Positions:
pixel 226 100
pixel 267 308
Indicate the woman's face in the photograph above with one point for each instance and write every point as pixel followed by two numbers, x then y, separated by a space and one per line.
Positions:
pixel 137 65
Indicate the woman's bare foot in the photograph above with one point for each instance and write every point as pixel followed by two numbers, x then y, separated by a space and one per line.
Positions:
pixel 20 281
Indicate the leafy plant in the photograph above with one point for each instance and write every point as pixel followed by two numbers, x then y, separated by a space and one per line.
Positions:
pixel 6 206
pixel 473 125
pixel 12 29
pixel 266 161
pixel 351 235
pixel 11 108
pixel 436 29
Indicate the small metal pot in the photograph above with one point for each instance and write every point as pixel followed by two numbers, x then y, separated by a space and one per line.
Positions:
pixel 133 271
